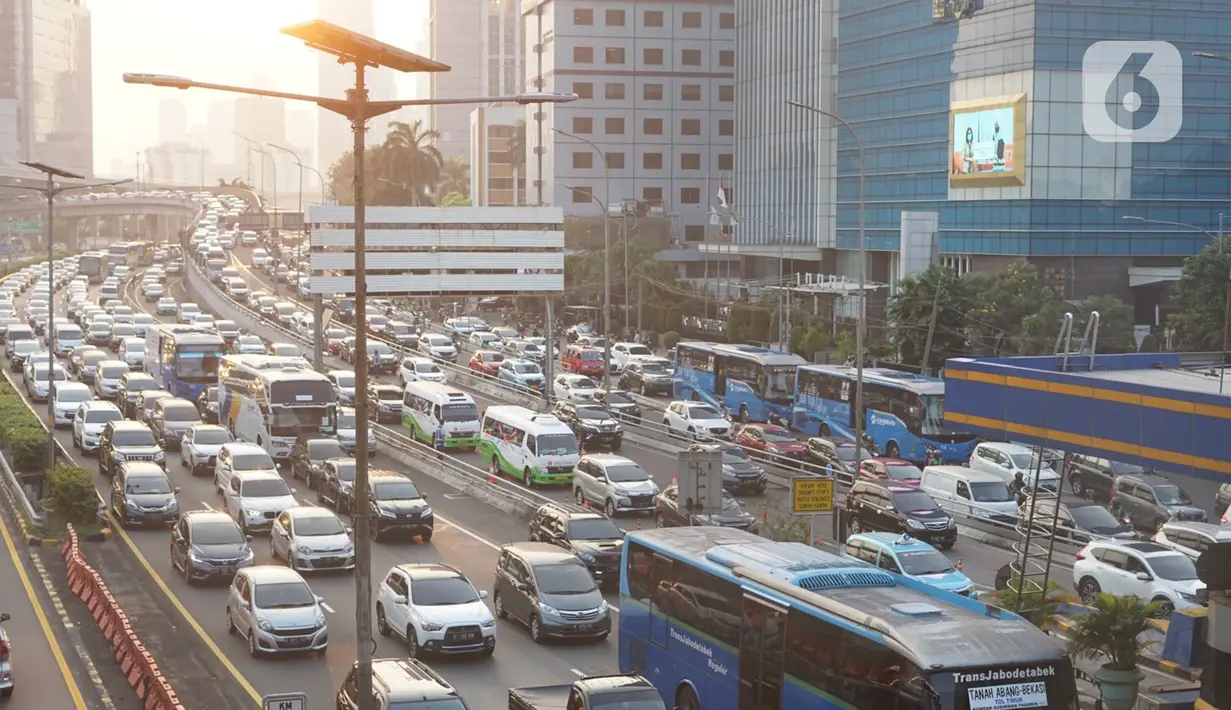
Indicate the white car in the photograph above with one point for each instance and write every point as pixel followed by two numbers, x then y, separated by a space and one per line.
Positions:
pixel 249 345
pixel 256 498
pixel 68 399
pixel 200 445
pixel 1008 460
pixel 621 353
pixel 142 322
pixel 37 375
pixel 343 382
pixel 695 420
pixel 166 306
pixel 1145 570
pixel 438 346
pixel 89 421
pixel 482 339
pixel 132 351
pixel 285 350
pixel 420 369
pixel 576 388
pixel 505 333
pixel 1191 538
pixel 204 320
pixel 347 433
pixel 311 538
pixel 187 312
pixel 237 457
pixel 122 314
pixel 424 602
pixel 276 612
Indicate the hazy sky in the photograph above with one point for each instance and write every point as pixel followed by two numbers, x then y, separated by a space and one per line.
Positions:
pixel 223 41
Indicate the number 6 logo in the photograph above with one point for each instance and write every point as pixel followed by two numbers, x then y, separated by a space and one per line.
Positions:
pixel 1104 73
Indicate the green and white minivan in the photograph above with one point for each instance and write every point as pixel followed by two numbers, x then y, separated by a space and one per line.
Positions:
pixel 533 447
pixel 429 407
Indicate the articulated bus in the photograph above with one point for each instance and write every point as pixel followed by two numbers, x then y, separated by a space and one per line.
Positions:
pixel 272 401
pixel 750 381
pixel 903 412
pixel 92 264
pixel 431 407
pixel 184 359
pixel 722 619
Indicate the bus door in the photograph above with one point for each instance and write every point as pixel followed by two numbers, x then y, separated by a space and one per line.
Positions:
pixel 761 644
pixel 664 578
pixel 720 376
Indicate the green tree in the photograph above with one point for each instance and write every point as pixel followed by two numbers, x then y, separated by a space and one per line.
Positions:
pixel 1115 334
pixel 1149 344
pixel 910 310
pixel 998 305
pixel 1201 293
pixel 412 161
pixel 455 199
pixel 454 177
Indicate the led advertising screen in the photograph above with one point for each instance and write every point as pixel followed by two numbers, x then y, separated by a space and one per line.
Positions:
pixel 988 142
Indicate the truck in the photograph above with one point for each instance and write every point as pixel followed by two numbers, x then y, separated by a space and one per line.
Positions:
pixel 603 692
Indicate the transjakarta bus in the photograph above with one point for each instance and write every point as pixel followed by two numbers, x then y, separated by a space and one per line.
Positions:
pixel 750 381
pixel 903 412
pixel 430 407
pixel 722 619
pixel 271 403
pixel 183 359
pixel 532 447
pixel 92 264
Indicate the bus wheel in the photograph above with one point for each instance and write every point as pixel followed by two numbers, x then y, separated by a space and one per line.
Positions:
pixel 528 478
pixel 686 699
pixel 495 467
pixel 892 451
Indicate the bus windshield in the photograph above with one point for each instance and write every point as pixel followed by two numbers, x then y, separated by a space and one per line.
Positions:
pixel 308 392
pixel 197 363
pixel 780 384
pixel 459 413
pixel 933 414
pixel 557 444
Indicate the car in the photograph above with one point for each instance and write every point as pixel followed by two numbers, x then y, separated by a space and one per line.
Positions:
pixel 521 374
pixel 124 440
pixel 523 349
pixel 877 506
pixel 1148 501
pixel 620 403
pixel 119 332
pixel 132 351
pixel 773 442
pixel 40 372
pixel 435 609
pixel 486 362
pixel 669 512
pixel 385 402
pixel 333 339
pixel 200 445
pixel 265 601
pixel 400 683
pixel 401 333
pixel 1007 460
pixel 256 498
pixel 309 455
pixel 889 469
pixel 1191 538
pixel 247 344
pixel 482 339
pixel 130 385
pixel 623 353
pixel 171 418
pixel 1077 522
pixel 695 420
pixel 142 494
pixel 240 456
pixel 397 508
pixel 208 545
pixel 740 474
pixel 19 351
pixel 166 306
pixel 835 457
pixel 186 312
pixel 145 403
pixel 88 423
pixel 1146 570
pixel 284 350
pixel 615 484
pixel 1094 477
pixel 577 388
pixel 337 483
pixel 591 536
pixel 343 382
pixel 347 432
pixel 228 329
pixel 204 320
pixel 311 538
pixel 909 557
pixel 551 591
pixel 438 347
pixel 236 288
pixel 68 398
pixel 593 425
pixel 505 333
pixel 152 291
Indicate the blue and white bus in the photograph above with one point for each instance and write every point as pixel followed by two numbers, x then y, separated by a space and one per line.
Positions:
pixel 903 412
pixel 271 401
pixel 722 619
pixel 184 359
pixel 750 381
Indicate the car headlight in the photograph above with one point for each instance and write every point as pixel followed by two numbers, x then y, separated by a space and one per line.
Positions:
pixel 249 554
pixel 319 620
pixel 603 607
pixel 130 505
pixel 548 609
pixel 623 500
pixel 387 513
pixel 914 524
pixel 304 549
pixel 192 555
pixel 952 523
pixel 252 513
pixel 429 626
pixel 159 456
pixel 173 505
pixel 425 512
pixel 349 547
pixel 488 623
pixel 587 557
pixel 1187 597
pixel 264 625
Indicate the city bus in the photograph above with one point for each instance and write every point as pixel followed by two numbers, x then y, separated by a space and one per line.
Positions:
pixel 903 412
pixel 117 255
pixel 750 381
pixel 183 359
pixel 141 253
pixel 431 407
pixel 92 264
pixel 271 403
pixel 719 618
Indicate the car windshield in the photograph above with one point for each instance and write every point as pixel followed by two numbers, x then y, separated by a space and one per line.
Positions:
pixel 381 349
pixel 142 485
pixel 322 449
pixel 731 456
pixel 529 348
pixel 134 346
pixel 251 462
pixel 317 525
pixel 1173 568
pixel 100 416
pixel 426 367
pixel 447 591
pixel 913 502
pixel 387 394
pixel 1172 495
pixel 398 490
pixel 140 385
pixel 846 452
pixel 1027 462
pixel 1093 517
pixel 704 413
pixel 527 369
pixel 619 398
pixel 264 488
pixel 1126 469
pixel 459 413
pixel 557 444
pixel 593 529
pixel 346 421
pixel 216 534
pixel 627 474
pixel 181 413
pixel 903 472
pixel 583 383
pixel 283 595
pixel 212 437
pixel 592 413
pixel 346 471
pixel 777 437
pixel 25 347
pixel 990 492
pixel 917 562
pixel 73 395
pixel 112 372
pixel 565 578
pixel 136 437
pixel 250 340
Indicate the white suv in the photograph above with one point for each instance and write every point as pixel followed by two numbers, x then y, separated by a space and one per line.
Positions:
pixel 1145 570
pixel 695 420
pixel 420 369
pixel 614 483
pixel 436 609
pixel 89 421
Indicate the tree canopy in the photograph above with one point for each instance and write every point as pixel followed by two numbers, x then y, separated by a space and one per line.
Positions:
pixel 1201 293
pixel 406 169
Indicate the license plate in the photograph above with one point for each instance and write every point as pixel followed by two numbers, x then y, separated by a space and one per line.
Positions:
pixel 582 627
pixel 297 642
pixel 465 637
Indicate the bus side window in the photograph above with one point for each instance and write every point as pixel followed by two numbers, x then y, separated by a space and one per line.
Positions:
pixel 639 573
pixel 662 580
pixel 532 445
pixel 168 351
pixel 436 412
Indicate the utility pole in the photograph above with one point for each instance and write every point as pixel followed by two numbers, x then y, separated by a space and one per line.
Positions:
pixel 927 348
pixel 640 301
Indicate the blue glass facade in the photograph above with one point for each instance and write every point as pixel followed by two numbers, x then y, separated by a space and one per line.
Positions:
pixel 899 72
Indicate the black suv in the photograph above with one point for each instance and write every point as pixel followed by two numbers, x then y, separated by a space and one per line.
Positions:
pixel 646 378
pixel 593 537
pixel 308 458
pixel 131 385
pixel 396 507
pixel 620 403
pixel 592 424
pixel 337 484
pixel 125 440
pixel 877 506
pixel 399 683
pixel 1147 501
pixel 1093 477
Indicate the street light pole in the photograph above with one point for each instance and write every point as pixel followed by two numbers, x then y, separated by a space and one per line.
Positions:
pixel 605 204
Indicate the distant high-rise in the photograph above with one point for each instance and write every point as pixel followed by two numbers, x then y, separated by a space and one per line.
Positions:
pixel 260 120
pixel 172 121
pixel 333 133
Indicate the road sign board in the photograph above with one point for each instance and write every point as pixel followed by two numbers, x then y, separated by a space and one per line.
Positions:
pixel 290 221
pixel 699 475
pixel 811 494
pixel 254 220
pixel 26 226
pixel 285 701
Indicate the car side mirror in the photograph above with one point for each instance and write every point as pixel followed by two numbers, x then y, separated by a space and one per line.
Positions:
pixel 177 489
pixel 249 538
pixel 285 533
pixel 482 593
pixel 600 478
pixel 1144 576
pixel 523 587
pixel 399 599
pixel 350 530
pixel 560 536
pixel 294 491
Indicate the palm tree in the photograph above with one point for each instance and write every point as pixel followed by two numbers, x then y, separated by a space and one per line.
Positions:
pixel 409 158
pixel 454 177
pixel 517 157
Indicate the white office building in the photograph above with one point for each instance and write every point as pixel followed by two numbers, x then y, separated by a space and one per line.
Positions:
pixel 494 179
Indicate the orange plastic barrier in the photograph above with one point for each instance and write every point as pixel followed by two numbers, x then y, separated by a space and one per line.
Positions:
pixel 137 664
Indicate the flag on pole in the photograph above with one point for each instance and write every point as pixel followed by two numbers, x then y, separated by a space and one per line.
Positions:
pixel 722 195
pixel 715 220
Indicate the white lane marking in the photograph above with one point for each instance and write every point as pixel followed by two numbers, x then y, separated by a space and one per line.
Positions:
pixel 327 608
pixel 305 501
pixel 206 505
pixel 578 673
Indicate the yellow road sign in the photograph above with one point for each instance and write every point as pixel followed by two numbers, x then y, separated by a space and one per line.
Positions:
pixel 811 495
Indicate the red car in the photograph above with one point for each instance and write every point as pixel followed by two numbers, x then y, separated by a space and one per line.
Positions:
pixel 376 325
pixel 334 337
pixel 771 440
pixel 892 470
pixel 487 362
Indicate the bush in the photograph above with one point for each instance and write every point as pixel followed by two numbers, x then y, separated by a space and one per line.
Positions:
pixel 813 343
pixel 1149 344
pixel 671 339
pixel 71 496
pixel 28 447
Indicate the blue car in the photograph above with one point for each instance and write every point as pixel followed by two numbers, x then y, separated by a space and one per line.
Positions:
pixel 904 555
pixel 522 374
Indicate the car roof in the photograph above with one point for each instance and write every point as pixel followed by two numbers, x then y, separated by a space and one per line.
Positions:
pixel 99 404
pixel 207 427
pixel 1007 447
pixel 429 570
pixel 256 475
pixel 386 474
pixel 208 516
pixel 609 459
pixel 1214 530
pixel 271 574
pixel 1148 479
pixel 310 511
pixel 539 551
pixel 127 424
pixel 243 447
pixel 142 469
pixel 1145 549
pixel 893 541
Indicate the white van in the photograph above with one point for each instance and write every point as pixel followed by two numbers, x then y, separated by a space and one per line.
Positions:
pixel 259 257
pixel 431 407
pixel 108 291
pixel 965 491
pixel 68 336
pixel 535 448
pixel 1008 460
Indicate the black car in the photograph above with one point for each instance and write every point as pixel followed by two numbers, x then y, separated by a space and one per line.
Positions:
pixel 833 457
pixel 740 474
pixel 126 440
pixel 647 378
pixel 131 385
pixel 877 506
pixel 1093 477
pixel 593 537
pixel 668 513
pixel 397 508
pixel 532 577
pixel 309 455
pixel 337 484
pixel 1077 522
pixel 142 494
pixel 593 425
pixel 620 403
pixel 208 545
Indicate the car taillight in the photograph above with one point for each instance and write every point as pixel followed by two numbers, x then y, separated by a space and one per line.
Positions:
pixel 1080 556
pixel 4 650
